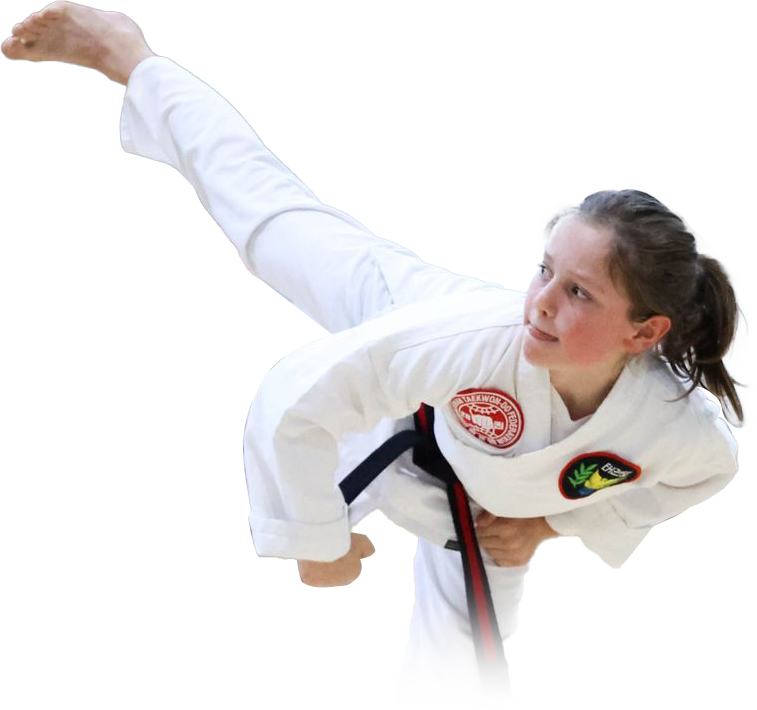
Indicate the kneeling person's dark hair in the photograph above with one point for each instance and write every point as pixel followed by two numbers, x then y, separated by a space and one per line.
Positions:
pixel 193 219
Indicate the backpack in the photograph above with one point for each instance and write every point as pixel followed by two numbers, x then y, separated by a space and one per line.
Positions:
pixel 45 392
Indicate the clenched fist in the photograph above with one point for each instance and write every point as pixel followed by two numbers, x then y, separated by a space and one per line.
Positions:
pixel 340 572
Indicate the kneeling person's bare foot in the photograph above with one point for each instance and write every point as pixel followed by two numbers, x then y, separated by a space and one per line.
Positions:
pixel 221 606
pixel 322 607
pixel 712 523
pixel 109 42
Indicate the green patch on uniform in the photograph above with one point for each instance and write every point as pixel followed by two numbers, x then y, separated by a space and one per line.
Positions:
pixel 688 11
pixel 269 355
pixel 588 473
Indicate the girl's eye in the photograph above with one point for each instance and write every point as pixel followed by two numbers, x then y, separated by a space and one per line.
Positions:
pixel 542 269
pixel 580 293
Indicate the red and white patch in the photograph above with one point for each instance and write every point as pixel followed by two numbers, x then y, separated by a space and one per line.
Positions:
pixel 490 415
pixel 30 351
pixel 210 355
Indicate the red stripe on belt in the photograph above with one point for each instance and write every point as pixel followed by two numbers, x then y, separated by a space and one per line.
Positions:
pixel 628 140
pixel 477 573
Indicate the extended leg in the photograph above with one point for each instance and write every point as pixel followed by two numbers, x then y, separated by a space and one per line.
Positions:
pixel 319 258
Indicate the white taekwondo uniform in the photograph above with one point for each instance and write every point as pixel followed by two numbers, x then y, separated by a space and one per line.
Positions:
pixel 405 332
pixel 625 68
pixel 184 443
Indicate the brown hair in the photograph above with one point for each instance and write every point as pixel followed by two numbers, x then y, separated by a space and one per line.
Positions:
pixel 654 260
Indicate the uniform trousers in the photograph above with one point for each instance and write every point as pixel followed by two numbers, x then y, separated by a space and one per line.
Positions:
pixel 439 666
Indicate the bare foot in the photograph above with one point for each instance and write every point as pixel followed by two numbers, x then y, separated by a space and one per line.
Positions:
pixel 712 523
pixel 221 606
pixel 322 608
pixel 109 42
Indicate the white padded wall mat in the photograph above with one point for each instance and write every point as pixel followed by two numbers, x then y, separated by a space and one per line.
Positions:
pixel 111 250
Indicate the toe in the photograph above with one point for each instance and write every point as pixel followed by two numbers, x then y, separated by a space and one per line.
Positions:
pixel 35 22
pixel 51 12
pixel 12 48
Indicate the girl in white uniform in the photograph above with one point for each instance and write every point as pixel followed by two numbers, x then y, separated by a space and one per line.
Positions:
pixel 574 409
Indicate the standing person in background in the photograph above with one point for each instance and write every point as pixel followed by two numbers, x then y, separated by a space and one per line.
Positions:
pixel 191 368
pixel 643 81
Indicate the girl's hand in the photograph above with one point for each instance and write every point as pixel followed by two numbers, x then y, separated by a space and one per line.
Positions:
pixel 511 542
pixel 340 572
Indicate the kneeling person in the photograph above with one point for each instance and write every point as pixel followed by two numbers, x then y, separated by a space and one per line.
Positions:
pixel 191 368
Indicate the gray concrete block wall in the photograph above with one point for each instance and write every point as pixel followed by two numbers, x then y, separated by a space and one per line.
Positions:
pixel 336 87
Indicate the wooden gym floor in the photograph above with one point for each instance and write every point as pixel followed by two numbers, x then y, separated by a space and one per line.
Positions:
pixel 83 627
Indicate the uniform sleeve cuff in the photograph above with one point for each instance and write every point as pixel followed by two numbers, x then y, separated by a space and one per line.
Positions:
pixel 318 542
pixel 601 530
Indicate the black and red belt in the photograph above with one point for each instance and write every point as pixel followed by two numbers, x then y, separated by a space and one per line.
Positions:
pixel 629 140
pixel 427 456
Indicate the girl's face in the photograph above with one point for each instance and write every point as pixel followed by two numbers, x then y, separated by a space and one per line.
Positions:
pixel 574 315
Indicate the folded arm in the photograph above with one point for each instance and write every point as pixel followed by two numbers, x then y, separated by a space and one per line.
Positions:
pixel 614 527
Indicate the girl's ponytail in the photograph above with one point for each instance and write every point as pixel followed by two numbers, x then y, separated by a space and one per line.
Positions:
pixel 698 350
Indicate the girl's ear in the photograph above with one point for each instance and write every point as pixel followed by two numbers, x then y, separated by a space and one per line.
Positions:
pixel 648 333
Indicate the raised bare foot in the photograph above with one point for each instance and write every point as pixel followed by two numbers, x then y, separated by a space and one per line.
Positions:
pixel 109 42
pixel 322 607
pixel 221 606
pixel 712 523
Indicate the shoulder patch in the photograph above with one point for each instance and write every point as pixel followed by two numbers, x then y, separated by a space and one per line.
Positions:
pixel 490 415
pixel 592 472
pixel 269 355
pixel 208 353
pixel 689 12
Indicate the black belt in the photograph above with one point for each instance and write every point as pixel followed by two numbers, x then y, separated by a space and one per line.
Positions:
pixel 628 140
pixel 427 456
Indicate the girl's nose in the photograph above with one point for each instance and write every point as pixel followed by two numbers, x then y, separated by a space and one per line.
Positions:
pixel 545 302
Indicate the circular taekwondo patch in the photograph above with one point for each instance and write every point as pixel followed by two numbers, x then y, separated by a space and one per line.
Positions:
pixel 490 415
pixel 589 473
pixel 210 355
pixel 688 11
